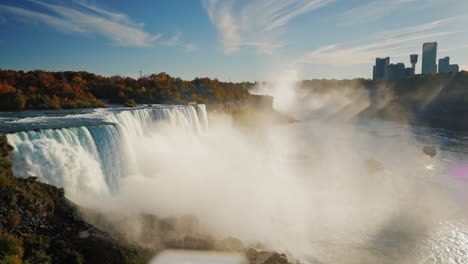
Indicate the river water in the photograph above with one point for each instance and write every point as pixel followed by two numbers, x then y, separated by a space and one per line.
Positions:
pixel 358 192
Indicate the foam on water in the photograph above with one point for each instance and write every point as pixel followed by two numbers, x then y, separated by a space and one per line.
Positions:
pixel 91 159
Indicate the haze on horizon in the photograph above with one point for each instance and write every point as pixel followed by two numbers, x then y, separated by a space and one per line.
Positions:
pixel 230 40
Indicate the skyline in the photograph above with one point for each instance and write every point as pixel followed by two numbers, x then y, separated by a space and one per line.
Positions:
pixel 229 40
pixel 385 70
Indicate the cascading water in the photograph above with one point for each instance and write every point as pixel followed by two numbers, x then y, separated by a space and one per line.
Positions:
pixel 202 115
pixel 93 159
pixel 305 187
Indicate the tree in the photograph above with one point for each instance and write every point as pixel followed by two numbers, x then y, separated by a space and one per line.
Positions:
pixel 10 246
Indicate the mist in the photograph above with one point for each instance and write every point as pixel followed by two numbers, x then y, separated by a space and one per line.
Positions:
pixel 285 86
pixel 327 189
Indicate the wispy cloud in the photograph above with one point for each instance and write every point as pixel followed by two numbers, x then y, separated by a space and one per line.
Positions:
pixel 394 43
pixel 173 41
pixel 90 20
pixel 112 15
pixel 176 41
pixel 56 22
pixel 79 17
pixel 254 23
pixel 190 47
pixel 373 10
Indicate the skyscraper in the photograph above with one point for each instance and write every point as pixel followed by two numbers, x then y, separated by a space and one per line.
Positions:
pixel 380 68
pixel 445 66
pixel 429 65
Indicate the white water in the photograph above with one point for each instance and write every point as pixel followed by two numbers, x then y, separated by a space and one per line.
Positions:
pixel 93 159
pixel 299 188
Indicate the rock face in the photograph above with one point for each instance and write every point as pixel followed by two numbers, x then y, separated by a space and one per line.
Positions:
pixel 130 103
pixel 46 224
pixel 430 151
pixel 265 257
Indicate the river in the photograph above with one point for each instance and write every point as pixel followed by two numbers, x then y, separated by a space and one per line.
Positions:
pixel 324 192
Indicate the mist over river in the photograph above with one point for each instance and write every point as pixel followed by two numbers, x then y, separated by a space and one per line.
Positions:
pixel 323 191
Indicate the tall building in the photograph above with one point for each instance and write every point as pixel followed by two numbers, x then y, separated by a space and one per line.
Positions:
pixel 396 71
pixel 383 70
pixel 414 61
pixel 429 58
pixel 445 66
pixel 380 68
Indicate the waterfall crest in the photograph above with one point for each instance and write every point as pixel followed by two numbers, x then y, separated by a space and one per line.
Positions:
pixel 93 159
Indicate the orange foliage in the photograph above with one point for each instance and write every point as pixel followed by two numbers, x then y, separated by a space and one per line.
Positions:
pixel 57 90
pixel 5 88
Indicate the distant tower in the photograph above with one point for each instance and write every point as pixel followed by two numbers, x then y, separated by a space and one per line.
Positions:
pixel 414 61
pixel 140 73
pixel 429 64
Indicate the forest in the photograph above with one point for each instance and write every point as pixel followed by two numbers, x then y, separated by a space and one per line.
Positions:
pixel 63 90
pixel 439 100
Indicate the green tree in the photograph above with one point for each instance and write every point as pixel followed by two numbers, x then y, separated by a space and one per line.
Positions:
pixel 10 246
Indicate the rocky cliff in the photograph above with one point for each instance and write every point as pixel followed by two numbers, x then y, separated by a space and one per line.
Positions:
pixel 39 225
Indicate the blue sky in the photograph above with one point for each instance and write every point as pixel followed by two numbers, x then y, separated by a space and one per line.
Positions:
pixel 229 39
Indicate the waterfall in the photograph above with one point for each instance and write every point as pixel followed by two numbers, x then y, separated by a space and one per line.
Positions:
pixel 93 159
pixel 202 115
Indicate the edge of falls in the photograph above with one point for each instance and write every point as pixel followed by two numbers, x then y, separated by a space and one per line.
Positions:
pixel 94 158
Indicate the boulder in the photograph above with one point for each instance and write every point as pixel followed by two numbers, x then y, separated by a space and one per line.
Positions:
pixel 431 151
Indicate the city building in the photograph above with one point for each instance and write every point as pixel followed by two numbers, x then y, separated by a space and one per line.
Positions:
pixel 429 58
pixel 383 70
pixel 409 72
pixel 396 71
pixel 414 61
pixel 380 68
pixel 445 66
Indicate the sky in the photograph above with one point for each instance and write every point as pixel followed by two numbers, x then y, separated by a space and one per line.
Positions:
pixel 232 40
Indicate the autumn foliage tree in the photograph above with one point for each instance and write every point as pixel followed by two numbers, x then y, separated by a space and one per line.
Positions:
pixel 44 90
pixel 61 90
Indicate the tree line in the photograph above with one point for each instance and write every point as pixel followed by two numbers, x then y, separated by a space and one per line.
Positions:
pixel 64 90
pixel 434 92
pixel 439 100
